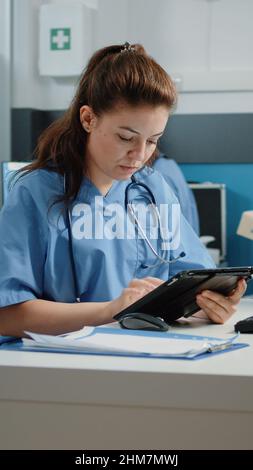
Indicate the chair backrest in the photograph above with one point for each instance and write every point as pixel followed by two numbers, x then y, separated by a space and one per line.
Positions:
pixel 8 168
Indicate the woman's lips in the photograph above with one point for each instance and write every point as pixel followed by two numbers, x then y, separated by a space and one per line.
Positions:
pixel 128 168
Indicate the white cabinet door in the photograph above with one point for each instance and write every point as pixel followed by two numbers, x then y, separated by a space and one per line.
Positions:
pixel 206 44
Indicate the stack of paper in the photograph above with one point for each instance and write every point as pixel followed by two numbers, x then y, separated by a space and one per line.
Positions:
pixel 102 340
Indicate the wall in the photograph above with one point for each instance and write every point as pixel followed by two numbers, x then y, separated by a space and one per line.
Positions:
pixel 5 77
pixel 168 29
pixel 238 180
pixel 206 43
pixel 29 89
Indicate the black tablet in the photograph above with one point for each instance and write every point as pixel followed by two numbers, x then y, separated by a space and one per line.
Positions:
pixel 176 297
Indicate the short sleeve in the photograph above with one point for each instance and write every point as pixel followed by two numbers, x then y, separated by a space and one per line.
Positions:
pixel 23 245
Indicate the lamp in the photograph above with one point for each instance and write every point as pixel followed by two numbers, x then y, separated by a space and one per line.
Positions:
pixel 245 228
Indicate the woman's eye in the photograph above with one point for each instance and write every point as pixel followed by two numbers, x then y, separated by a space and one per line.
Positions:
pixel 151 142
pixel 125 139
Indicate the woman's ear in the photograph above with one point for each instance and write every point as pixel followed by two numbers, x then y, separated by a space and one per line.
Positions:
pixel 87 118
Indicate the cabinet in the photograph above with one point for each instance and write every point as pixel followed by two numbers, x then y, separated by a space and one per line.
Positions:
pixel 206 45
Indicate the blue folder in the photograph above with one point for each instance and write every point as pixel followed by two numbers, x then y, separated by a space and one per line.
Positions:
pixel 7 339
pixel 19 346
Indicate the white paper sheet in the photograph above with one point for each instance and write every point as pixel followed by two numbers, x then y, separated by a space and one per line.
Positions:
pixel 97 339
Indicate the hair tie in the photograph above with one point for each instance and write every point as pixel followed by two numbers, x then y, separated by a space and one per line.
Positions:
pixel 127 48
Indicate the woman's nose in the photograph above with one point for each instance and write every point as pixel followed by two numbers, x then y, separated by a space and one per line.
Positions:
pixel 138 152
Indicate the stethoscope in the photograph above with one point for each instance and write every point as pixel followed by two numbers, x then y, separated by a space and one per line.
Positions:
pixel 129 206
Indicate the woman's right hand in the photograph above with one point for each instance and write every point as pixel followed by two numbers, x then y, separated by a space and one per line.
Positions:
pixel 136 289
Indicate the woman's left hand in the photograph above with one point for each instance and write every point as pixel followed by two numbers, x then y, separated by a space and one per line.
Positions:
pixel 217 307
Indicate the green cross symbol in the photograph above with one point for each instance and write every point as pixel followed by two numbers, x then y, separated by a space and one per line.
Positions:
pixel 60 39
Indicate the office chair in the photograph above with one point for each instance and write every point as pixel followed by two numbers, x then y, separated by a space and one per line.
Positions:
pixel 7 169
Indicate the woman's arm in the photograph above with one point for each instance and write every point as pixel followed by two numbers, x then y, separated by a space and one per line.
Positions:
pixel 43 316
pixel 48 317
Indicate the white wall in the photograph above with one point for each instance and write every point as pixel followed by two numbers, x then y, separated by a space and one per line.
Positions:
pixel 30 90
pixel 5 89
pixel 5 68
pixel 205 43
pixel 112 22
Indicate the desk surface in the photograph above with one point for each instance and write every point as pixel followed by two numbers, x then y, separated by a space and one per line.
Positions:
pixel 59 401
pixel 225 380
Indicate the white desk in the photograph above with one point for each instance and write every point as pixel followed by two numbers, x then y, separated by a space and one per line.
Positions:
pixel 72 401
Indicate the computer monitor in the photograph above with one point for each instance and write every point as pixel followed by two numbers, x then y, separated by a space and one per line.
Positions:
pixel 8 168
pixel 211 204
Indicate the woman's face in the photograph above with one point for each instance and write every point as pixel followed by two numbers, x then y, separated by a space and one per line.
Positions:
pixel 121 141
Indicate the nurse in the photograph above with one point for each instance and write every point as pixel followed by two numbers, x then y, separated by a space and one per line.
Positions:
pixel 89 227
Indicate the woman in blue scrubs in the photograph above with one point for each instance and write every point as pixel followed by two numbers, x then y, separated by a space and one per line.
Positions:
pixel 91 188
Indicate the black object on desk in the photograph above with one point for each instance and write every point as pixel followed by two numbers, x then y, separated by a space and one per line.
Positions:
pixel 143 321
pixel 176 297
pixel 245 326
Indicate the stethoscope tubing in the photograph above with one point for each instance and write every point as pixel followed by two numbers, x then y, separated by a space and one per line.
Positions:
pixel 128 207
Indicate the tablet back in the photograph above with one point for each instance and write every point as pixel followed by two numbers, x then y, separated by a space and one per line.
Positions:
pixel 176 297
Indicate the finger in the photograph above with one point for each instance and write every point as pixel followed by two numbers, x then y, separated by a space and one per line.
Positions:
pixel 232 298
pixel 217 312
pixel 238 292
pixel 143 283
pixel 200 314
pixel 212 309
pixel 132 294
pixel 214 316
pixel 218 299
pixel 224 312
pixel 154 280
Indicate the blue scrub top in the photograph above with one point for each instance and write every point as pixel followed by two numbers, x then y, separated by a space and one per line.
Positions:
pixel 176 180
pixel 34 248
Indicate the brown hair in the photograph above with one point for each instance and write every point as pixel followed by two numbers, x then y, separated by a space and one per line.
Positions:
pixel 114 74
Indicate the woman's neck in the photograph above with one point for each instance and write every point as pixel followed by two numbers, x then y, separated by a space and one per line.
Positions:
pixel 101 182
